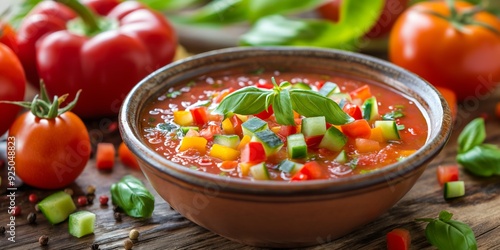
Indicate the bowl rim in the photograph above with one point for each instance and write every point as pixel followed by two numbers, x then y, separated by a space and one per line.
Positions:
pixel 391 173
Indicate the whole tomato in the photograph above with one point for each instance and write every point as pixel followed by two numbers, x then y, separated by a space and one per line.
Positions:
pixel 392 9
pixel 8 36
pixel 458 50
pixel 12 86
pixel 52 145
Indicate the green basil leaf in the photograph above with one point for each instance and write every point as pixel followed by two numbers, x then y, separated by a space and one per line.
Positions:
pixel 132 196
pixel 447 234
pixel 309 104
pixel 282 107
pixel 278 30
pixel 162 5
pixel 481 160
pixel 245 101
pixel 472 135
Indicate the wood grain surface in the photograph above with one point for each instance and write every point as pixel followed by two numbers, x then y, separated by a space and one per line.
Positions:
pixel 166 229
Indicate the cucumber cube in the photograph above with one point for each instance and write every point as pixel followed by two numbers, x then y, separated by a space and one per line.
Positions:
pixel 329 88
pixel 259 171
pixel 288 166
pixel 389 130
pixel 57 207
pixel 271 142
pixel 341 157
pixel 253 125
pixel 454 189
pixel 81 223
pixel 370 109
pixel 231 141
pixel 333 140
pixel 185 129
pixel 313 126
pixel 296 146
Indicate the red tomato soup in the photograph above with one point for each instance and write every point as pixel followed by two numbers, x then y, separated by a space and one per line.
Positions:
pixel 221 124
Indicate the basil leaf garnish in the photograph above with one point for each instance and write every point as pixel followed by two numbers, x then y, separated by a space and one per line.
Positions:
pixel 309 103
pixel 481 160
pixel 282 107
pixel 472 135
pixel 245 101
pixel 447 234
pixel 132 196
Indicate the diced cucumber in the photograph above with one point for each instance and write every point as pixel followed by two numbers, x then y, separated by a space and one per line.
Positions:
pixel 259 171
pixel 329 88
pixel 296 146
pixel 185 129
pixel 370 109
pixel 338 97
pixel 389 130
pixel 342 157
pixel 57 207
pixel 301 85
pixel 271 142
pixel 231 141
pixel 253 125
pixel 288 166
pixel 81 223
pixel 454 189
pixel 333 140
pixel 313 126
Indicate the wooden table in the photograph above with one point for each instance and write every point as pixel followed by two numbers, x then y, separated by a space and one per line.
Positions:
pixel 166 229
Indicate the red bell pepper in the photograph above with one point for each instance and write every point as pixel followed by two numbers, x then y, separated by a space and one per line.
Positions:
pixel 105 56
pixel 310 171
pixel 253 153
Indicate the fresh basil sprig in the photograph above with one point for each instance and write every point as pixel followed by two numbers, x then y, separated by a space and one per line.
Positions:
pixel 447 234
pixel 251 100
pixel 479 158
pixel 132 196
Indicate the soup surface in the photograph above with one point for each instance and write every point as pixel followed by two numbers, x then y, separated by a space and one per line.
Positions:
pixel 199 125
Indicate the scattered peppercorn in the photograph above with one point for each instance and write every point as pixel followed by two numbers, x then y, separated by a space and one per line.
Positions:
pixel 94 246
pixel 2 230
pixel 16 210
pixel 118 216
pixel 134 234
pixel 82 201
pixel 90 189
pixel 90 198
pixel 31 218
pixel 128 244
pixel 69 191
pixel 33 198
pixel 103 200
pixel 43 240
pixel 117 209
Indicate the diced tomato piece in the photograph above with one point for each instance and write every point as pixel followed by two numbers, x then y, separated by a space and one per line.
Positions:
pixel 209 132
pixel 310 171
pixel 366 145
pixel 199 114
pixel 353 110
pixel 228 165
pixel 319 84
pixel 357 129
pixel 286 130
pixel 299 177
pixel 361 93
pixel 264 85
pixel 223 94
pixel 447 173
pixel 398 239
pixel 127 157
pixel 313 141
pixel 253 152
pixel 266 113
pixel 236 121
pixel 105 156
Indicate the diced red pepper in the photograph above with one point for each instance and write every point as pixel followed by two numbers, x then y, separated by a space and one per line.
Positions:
pixel 362 93
pixel 237 125
pixel 357 129
pixel 199 114
pixel 353 110
pixel 266 113
pixel 447 173
pixel 266 85
pixel 286 130
pixel 209 132
pixel 398 239
pixel 253 152
pixel 310 171
pixel 313 141
pixel 105 156
pixel 127 157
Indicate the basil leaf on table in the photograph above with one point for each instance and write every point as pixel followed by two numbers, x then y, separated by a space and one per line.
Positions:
pixel 131 195
pixel 245 101
pixel 472 135
pixel 481 160
pixel 447 234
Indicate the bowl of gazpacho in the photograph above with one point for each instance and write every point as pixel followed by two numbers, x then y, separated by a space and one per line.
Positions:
pixel 283 147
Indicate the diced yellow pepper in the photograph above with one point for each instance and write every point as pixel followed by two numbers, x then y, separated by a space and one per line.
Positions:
pixel 276 129
pixel 244 141
pixel 183 118
pixel 224 153
pixel 195 142
pixel 244 168
pixel 227 127
pixel 377 135
pixel 243 118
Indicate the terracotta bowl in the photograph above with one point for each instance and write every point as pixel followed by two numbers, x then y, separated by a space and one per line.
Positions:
pixel 282 214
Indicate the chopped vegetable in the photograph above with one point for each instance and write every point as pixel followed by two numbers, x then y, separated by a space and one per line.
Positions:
pixel 288 166
pixel 183 118
pixel 296 147
pixel 197 143
pixel 231 141
pixel 366 145
pixel 271 142
pixel 389 130
pixel 253 152
pixel 253 125
pixel 57 207
pixel 398 239
pixel 370 109
pixel 259 171
pixel 105 156
pixel 310 171
pixel 127 157
pixel 199 115
pixel 333 139
pixel 447 173
pixel 81 223
pixel 132 196
pixel 224 153
pixel 313 126
pixel 357 129
pixel 453 189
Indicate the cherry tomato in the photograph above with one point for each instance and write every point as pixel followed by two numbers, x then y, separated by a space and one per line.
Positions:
pixel 460 55
pixel 392 9
pixel 12 86
pixel 50 152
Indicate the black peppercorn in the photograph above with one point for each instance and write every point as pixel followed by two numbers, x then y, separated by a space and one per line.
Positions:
pixel 94 246
pixel 31 218
pixel 118 216
pixel 2 230
pixel 43 240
